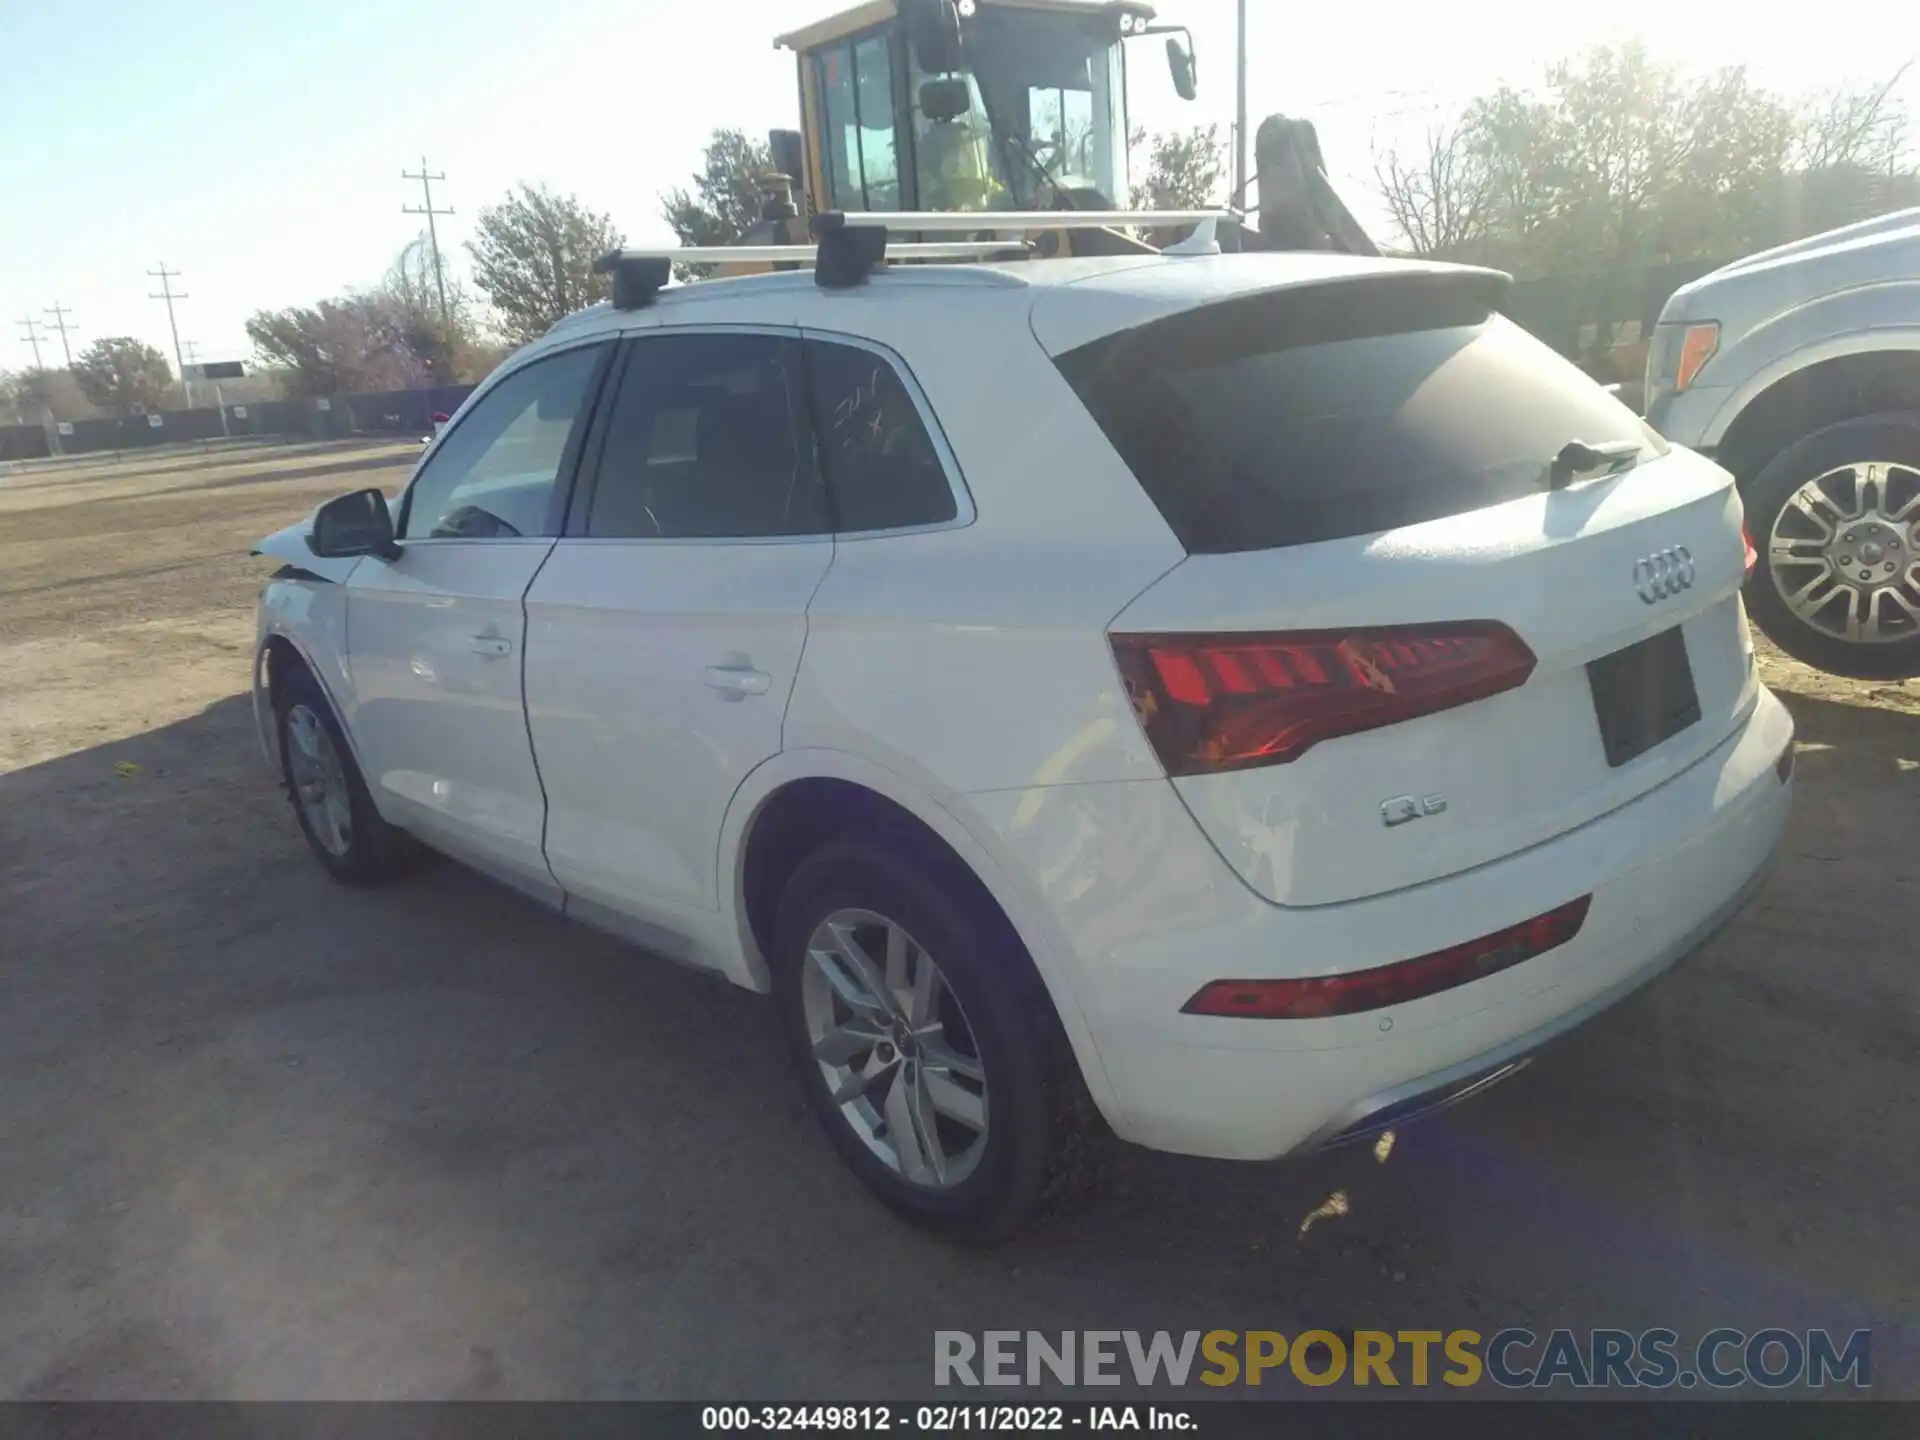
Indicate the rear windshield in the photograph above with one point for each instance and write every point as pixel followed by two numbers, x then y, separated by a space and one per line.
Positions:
pixel 1297 416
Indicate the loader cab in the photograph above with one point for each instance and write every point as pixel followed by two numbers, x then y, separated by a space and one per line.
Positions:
pixel 965 105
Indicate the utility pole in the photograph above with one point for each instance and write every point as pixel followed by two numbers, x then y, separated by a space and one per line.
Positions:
pixel 60 313
pixel 28 323
pixel 166 278
pixel 433 234
pixel 1240 109
pixel 219 400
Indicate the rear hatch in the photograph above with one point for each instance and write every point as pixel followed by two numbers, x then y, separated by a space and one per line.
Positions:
pixel 1406 642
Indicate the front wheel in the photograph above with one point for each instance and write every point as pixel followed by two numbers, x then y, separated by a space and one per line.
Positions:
pixel 928 1050
pixel 1836 519
pixel 336 813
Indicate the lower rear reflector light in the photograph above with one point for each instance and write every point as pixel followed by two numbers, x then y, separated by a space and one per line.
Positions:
pixel 1228 701
pixel 1395 984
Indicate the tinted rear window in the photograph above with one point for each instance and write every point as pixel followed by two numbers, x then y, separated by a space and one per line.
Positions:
pixel 1297 416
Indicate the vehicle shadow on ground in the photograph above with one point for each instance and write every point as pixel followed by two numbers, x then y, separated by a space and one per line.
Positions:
pixel 433 1140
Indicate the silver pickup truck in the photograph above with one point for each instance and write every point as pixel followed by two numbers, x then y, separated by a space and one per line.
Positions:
pixel 1798 369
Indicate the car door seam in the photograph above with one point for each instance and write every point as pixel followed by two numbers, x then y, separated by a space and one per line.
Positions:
pixel 526 715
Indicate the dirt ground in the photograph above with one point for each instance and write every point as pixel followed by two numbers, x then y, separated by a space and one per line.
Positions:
pixel 262 1137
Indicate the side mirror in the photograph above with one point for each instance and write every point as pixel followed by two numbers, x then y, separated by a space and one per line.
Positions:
pixel 356 524
pixel 1185 71
pixel 933 30
pixel 789 155
pixel 942 100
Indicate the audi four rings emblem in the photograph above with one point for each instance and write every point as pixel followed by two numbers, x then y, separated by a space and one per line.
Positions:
pixel 1663 574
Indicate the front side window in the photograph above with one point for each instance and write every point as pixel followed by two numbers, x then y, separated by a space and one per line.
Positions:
pixel 702 442
pixel 494 474
pixel 856 95
pixel 879 463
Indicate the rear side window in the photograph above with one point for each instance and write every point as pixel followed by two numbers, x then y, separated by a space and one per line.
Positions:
pixel 1297 416
pixel 876 456
pixel 703 442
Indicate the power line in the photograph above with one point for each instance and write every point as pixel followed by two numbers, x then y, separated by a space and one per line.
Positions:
pixel 166 278
pixel 33 338
pixel 60 313
pixel 433 234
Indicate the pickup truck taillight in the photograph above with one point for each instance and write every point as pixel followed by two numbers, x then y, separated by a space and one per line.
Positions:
pixel 1232 701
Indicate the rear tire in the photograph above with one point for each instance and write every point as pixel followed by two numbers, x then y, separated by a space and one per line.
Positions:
pixel 1001 1101
pixel 329 796
pixel 1829 471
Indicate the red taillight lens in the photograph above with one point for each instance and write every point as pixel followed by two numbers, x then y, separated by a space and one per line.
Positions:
pixel 1746 540
pixel 1229 701
pixel 1391 984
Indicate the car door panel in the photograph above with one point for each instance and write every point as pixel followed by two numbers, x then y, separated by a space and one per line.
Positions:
pixel 661 648
pixel 657 677
pixel 436 636
pixel 434 647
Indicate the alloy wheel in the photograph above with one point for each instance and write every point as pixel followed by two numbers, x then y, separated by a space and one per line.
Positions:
pixel 894 1048
pixel 319 780
pixel 1844 553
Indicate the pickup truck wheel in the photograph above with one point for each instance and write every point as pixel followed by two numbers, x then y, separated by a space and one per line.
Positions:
pixel 928 1054
pixel 1836 519
pixel 330 799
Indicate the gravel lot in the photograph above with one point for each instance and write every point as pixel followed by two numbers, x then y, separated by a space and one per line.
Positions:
pixel 262 1137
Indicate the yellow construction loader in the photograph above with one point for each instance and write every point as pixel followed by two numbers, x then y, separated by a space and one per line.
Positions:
pixel 999 106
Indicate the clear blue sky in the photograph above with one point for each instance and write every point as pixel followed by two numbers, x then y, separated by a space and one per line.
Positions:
pixel 258 148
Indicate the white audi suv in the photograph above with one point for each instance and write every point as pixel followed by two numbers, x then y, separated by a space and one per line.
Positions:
pixel 1242 700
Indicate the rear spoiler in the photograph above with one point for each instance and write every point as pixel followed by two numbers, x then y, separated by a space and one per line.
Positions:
pixel 1353 306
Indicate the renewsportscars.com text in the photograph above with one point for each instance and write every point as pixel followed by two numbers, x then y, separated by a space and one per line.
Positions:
pixel 1513 1358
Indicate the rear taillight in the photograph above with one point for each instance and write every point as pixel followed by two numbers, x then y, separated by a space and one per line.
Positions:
pixel 1228 701
pixel 1746 541
pixel 1391 984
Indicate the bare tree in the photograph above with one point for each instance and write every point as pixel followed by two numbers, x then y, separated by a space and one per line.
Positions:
pixel 1620 160
pixel 1441 200
pixel 444 341
pixel 1865 128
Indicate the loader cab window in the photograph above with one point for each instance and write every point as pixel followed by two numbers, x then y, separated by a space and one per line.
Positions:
pixel 855 85
pixel 1049 109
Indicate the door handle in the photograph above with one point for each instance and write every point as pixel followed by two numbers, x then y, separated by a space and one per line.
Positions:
pixel 736 682
pixel 493 646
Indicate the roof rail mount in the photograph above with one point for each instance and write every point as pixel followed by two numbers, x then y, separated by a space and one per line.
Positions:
pixel 848 253
pixel 638 276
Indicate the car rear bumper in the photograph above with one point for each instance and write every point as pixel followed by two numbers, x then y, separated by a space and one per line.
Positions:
pixel 1665 872
pixel 1416 1099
